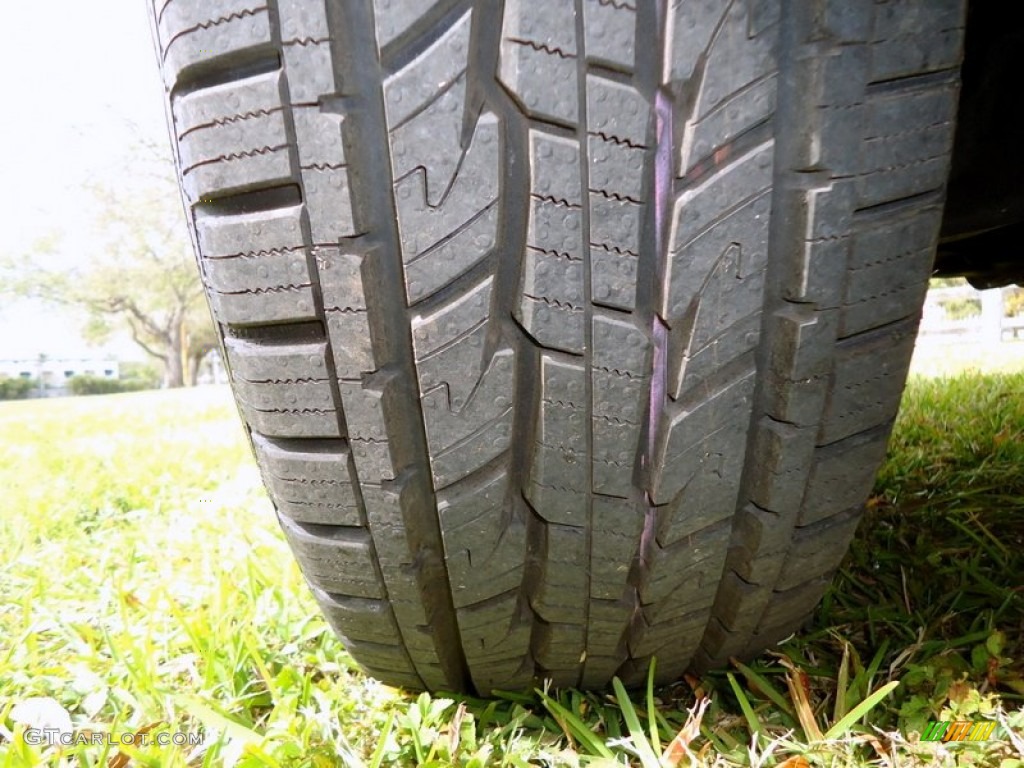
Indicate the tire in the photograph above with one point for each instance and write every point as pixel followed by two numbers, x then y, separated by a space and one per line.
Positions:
pixel 568 334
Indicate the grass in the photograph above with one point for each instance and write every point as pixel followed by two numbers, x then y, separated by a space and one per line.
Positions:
pixel 147 590
pixel 937 355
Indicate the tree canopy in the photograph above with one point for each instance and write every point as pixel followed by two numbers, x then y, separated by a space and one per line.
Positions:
pixel 137 273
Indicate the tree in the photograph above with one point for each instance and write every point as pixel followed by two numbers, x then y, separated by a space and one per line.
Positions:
pixel 138 273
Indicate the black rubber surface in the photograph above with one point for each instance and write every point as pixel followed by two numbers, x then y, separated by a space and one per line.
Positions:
pixel 569 333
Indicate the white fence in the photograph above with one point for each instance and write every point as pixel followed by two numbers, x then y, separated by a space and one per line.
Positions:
pixel 989 324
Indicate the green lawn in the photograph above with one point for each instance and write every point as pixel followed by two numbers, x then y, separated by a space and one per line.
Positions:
pixel 145 588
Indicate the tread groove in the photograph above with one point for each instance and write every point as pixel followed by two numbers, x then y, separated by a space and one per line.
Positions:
pixel 227 68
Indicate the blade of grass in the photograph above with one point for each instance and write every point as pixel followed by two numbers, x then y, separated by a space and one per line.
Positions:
pixel 855 714
pixel 748 712
pixel 378 751
pixel 842 684
pixel 640 742
pixel 796 682
pixel 762 684
pixel 652 717
pixel 876 662
pixel 214 720
pixel 987 545
pixel 575 728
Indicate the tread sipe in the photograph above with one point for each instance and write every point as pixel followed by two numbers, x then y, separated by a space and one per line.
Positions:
pixel 569 334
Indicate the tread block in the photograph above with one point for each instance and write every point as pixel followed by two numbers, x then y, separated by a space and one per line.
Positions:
pixel 787 610
pixel 555 168
pixel 616 112
pixel 613 277
pixel 615 224
pixel 694 356
pixel 463 440
pixel 250 234
pixel 484 538
pixel 450 341
pixel 267 377
pixel 262 362
pixel 194 32
pixel 344 304
pixel 212 144
pixel 361 619
pixel 759 545
pixel 329 203
pixel 336 559
pixel 610 29
pixel 228 105
pixel 537 61
pixel 260 286
pixel 713 130
pixel 682 575
pixel 876 291
pixel 692 28
pixel 560 597
pixel 870 370
pixel 842 475
pixel 258 272
pixel 309 486
pixel 551 308
pixel 496 638
pixel 735 90
pixel 616 168
pixel 606 647
pixel 266 395
pixel 617 525
pixel 552 305
pixel 363 402
pixel 307 63
pixel 617 125
pixel 817 549
pixel 913 36
pixel 817 276
pixel 439 264
pixel 430 74
pixel 801 364
pixel 720 325
pixel 302 20
pixel 425 229
pixel 676 638
pixel 393 17
pixel 380 660
pixel 723 217
pixel 695 450
pixel 620 365
pixel 292 302
pixel 559 476
pixel 259 164
pixel 738 608
pixel 393 514
pixel 555 229
pixel 431 139
pixel 898 161
pixel 318 137
pixel 784 452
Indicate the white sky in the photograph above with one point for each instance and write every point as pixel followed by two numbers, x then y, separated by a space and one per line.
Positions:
pixel 78 84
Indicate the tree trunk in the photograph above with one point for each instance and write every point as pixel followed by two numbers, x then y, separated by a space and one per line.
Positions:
pixel 174 371
pixel 196 358
pixel 174 376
